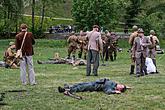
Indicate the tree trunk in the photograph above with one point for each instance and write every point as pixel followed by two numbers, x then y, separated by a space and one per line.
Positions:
pixel 33 7
pixel 42 17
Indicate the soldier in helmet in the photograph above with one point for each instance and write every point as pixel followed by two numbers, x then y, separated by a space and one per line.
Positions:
pixel 72 40
pixel 112 49
pixel 152 48
pixel 131 41
pixel 9 56
pixel 82 40
pixel 139 52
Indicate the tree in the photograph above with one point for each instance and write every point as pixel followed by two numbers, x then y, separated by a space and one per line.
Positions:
pixel 89 12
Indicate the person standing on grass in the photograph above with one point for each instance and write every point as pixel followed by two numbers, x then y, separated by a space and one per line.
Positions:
pixel 95 46
pixel 27 52
pixel 131 41
pixel 152 48
pixel 140 50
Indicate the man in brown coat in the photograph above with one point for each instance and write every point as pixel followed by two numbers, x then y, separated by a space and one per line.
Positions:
pixel 27 52
pixel 140 52
pixel 95 45
pixel 131 41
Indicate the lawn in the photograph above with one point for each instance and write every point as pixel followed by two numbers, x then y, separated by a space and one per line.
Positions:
pixel 148 92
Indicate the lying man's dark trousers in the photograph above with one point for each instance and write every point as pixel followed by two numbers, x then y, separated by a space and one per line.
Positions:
pixel 105 85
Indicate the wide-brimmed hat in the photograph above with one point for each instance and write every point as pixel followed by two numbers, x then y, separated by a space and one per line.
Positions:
pixel 23 26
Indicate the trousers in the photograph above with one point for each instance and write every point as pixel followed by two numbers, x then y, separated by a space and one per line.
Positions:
pixel 27 62
pixel 93 57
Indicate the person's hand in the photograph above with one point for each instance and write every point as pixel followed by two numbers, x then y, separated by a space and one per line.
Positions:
pixel 117 92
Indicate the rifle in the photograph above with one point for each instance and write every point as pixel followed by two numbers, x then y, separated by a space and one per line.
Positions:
pixel 67 93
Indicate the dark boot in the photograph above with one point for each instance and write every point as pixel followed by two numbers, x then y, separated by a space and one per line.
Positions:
pixel 111 57
pixel 74 58
pixel 132 69
pixel 79 55
pixel 85 57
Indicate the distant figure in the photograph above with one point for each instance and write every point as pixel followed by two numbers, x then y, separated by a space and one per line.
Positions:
pixel 152 48
pixel 82 41
pixel 73 45
pixel 132 37
pixel 126 29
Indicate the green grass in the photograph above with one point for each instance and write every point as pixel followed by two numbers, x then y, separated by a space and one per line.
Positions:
pixel 148 92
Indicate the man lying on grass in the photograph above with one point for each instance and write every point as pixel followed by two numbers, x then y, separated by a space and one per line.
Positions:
pixel 105 85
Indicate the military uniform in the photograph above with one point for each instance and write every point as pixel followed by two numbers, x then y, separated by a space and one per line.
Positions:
pixel 82 40
pixel 72 40
pixel 140 52
pixel 105 47
pixel 9 56
pixel 152 48
pixel 131 41
pixel 112 49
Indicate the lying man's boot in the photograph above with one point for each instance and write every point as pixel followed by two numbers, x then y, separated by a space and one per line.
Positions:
pixel 39 62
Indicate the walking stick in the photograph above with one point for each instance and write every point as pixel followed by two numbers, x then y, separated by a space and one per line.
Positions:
pixel 67 93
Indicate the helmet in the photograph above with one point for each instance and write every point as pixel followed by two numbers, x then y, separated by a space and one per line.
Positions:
pixel 134 27
pixel 140 30
pixel 152 32
pixel 11 43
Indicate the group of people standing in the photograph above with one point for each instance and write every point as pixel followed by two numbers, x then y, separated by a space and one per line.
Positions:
pixel 93 44
pixel 142 47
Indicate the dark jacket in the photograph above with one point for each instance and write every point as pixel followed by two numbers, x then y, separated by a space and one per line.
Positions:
pixel 27 48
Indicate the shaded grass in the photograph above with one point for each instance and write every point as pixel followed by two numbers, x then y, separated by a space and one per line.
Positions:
pixel 148 92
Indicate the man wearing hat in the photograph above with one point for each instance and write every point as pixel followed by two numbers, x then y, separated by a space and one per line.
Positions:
pixel 95 46
pixel 112 49
pixel 72 40
pixel 140 50
pixel 131 41
pixel 27 52
pixel 152 48
pixel 9 56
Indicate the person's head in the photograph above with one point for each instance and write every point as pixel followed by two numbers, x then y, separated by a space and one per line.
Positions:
pixel 11 43
pixel 152 32
pixel 134 28
pixel 95 27
pixel 121 87
pixel 23 27
pixel 140 32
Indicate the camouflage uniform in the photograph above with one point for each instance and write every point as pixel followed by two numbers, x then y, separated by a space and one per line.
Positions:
pixel 82 40
pixel 113 46
pixel 72 40
pixel 152 48
pixel 131 41
pixel 9 56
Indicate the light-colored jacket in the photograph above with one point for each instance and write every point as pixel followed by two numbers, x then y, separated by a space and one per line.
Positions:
pixel 95 41
pixel 140 47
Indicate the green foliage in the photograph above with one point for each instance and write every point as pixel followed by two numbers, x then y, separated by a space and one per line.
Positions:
pixel 90 12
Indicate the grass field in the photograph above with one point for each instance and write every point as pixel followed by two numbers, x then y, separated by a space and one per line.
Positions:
pixel 148 92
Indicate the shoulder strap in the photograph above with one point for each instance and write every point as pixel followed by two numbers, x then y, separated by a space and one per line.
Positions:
pixel 23 40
